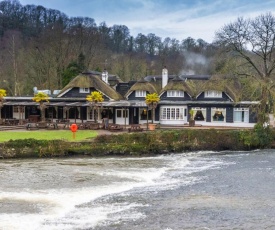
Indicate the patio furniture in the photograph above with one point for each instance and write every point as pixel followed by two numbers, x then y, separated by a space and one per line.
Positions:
pixel 135 128
pixel 11 121
pixel 81 126
pixel 51 125
pixel 92 125
pixel 115 127
pixel 34 118
pixel 42 125
pixel 32 126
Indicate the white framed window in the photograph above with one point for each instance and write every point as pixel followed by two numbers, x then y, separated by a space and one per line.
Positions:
pixel 218 114
pixel 17 109
pixel 121 113
pixel 171 113
pixel 241 115
pixel 199 114
pixel 140 93
pixel 175 93
pixel 213 94
pixel 84 90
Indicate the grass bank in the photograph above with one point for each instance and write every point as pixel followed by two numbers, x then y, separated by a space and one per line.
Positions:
pixel 145 143
pixel 65 135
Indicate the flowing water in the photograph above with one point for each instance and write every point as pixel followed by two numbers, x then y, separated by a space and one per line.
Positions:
pixel 200 190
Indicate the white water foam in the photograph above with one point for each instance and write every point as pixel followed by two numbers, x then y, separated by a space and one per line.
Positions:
pixel 54 204
pixel 70 208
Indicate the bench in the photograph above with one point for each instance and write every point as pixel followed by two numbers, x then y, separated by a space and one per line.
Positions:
pixel 115 127
pixel 52 126
pixel 42 125
pixel 135 128
pixel 62 121
pixel 32 126
pixel 91 125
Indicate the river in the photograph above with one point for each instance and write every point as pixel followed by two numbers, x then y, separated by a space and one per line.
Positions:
pixel 199 190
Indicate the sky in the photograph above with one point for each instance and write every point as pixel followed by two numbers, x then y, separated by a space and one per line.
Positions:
pixel 177 19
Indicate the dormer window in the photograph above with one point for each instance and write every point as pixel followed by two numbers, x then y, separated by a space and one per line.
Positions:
pixel 84 90
pixel 140 93
pixel 175 93
pixel 213 94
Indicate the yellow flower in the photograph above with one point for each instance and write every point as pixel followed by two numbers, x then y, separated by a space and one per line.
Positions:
pixel 95 97
pixel 152 98
pixel 3 93
pixel 40 97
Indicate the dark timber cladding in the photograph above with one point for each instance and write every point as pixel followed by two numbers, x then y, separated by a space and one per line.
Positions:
pixel 214 99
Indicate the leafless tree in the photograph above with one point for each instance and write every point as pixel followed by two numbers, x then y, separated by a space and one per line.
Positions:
pixel 253 42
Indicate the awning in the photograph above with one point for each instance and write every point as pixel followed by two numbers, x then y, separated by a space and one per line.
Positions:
pixel 22 103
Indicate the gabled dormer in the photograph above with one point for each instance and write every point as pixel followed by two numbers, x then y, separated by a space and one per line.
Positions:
pixel 213 95
pixel 176 90
pixel 87 82
pixel 139 90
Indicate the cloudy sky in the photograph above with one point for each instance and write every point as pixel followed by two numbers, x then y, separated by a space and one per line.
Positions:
pixel 165 18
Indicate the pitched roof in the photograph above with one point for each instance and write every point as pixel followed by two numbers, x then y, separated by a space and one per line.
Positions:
pixel 229 86
pixel 177 84
pixel 91 80
pixel 142 85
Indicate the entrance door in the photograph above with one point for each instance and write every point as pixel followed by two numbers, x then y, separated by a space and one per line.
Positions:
pixel 122 116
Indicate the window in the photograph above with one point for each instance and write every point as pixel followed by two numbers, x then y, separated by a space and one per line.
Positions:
pixel 213 93
pixel 175 93
pixel 17 109
pixel 171 113
pixel 241 115
pixel 140 93
pixel 200 114
pixel 121 113
pixel 106 113
pixel 73 113
pixel 218 114
pixel 143 114
pixel 84 90
pixel 92 114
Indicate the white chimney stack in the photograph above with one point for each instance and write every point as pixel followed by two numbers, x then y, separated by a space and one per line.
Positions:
pixel 164 77
pixel 105 76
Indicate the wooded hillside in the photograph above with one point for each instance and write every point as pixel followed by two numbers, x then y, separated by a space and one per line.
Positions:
pixel 45 48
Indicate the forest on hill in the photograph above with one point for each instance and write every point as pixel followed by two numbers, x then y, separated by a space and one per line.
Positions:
pixel 45 48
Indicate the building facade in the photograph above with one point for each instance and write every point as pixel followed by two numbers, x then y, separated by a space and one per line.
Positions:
pixel 214 100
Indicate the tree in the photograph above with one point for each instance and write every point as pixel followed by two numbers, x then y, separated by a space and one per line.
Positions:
pixel 151 101
pixel 253 42
pixel 95 98
pixel 73 69
pixel 41 98
pixel 2 95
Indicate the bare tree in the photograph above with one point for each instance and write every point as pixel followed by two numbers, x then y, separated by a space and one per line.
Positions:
pixel 253 42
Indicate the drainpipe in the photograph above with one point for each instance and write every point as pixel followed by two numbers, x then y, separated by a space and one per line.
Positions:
pixel 147 117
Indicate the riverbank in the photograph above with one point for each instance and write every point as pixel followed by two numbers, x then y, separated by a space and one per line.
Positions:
pixel 144 143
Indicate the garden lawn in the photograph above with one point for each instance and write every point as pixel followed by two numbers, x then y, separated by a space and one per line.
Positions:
pixel 48 135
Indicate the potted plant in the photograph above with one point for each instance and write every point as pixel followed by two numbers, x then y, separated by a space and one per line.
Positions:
pixel 41 98
pixel 2 95
pixel 191 119
pixel 95 98
pixel 151 101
